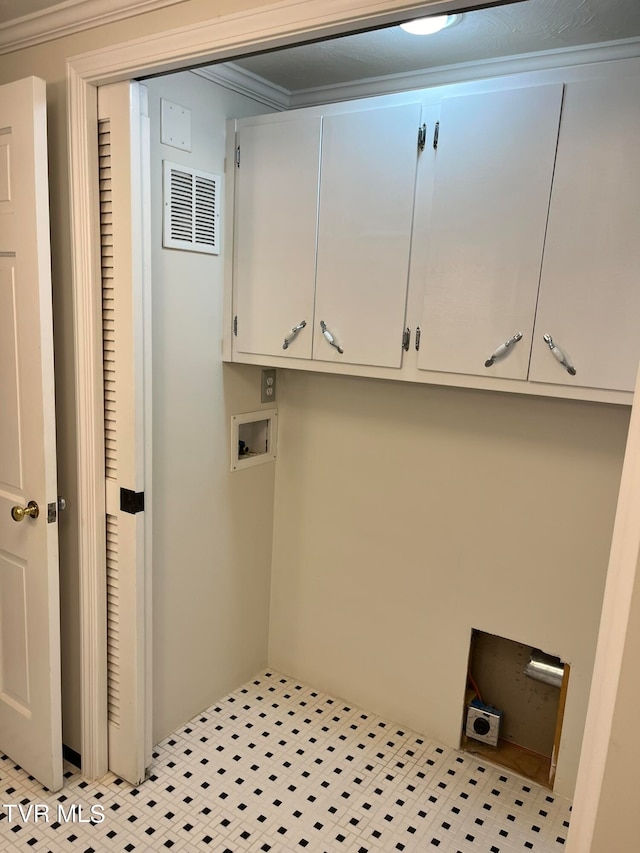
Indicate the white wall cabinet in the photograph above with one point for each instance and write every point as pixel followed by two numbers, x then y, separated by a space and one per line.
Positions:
pixel 494 167
pixel 324 212
pixel 522 223
pixel 364 233
pixel 275 234
pixel 590 287
pixel 496 162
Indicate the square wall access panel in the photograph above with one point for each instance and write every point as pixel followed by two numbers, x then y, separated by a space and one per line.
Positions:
pixel 175 125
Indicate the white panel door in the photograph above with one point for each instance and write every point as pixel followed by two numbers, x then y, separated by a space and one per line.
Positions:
pixel 30 705
pixel 590 288
pixel 275 235
pixel 367 189
pixel 494 170
pixel 123 126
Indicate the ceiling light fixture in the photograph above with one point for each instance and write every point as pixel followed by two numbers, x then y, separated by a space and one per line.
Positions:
pixel 428 26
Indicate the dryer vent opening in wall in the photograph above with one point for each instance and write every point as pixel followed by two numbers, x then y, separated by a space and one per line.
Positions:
pixel 191 209
pixel 530 689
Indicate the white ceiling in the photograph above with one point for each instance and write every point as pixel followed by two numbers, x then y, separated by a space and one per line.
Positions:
pixel 524 27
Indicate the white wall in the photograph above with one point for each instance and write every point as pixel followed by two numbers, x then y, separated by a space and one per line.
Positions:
pixel 212 529
pixel 408 515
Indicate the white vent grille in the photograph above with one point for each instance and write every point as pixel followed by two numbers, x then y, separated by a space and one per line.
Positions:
pixel 113 622
pixel 191 215
pixel 108 315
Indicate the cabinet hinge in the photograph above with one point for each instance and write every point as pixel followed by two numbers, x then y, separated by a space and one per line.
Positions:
pixel 418 333
pixel 436 134
pixel 238 156
pixel 131 502
pixel 422 137
pixel 406 337
pixel 235 326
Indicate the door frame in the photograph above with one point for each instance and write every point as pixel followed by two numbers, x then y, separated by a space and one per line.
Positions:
pixel 275 25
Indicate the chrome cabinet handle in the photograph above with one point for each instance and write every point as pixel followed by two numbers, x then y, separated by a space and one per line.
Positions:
pixel 292 334
pixel 557 353
pixel 502 349
pixel 327 334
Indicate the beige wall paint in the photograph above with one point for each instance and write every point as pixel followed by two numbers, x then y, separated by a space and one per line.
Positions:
pixel 212 529
pixel 406 516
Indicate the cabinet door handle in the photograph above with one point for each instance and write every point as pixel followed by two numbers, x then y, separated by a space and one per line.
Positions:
pixel 557 353
pixel 498 353
pixel 329 337
pixel 291 336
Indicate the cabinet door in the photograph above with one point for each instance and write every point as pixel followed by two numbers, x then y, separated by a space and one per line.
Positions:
pixel 590 287
pixel 275 235
pixel 364 233
pixel 491 197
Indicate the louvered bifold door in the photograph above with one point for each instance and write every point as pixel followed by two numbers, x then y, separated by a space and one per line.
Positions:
pixel 123 175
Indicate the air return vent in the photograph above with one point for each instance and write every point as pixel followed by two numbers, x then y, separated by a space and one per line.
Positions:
pixel 191 214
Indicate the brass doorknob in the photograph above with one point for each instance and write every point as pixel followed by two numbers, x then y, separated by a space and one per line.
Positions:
pixel 31 509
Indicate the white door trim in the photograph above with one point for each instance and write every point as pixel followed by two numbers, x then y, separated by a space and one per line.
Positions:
pixel 275 25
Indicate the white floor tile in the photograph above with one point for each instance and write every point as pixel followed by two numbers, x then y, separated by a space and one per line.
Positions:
pixel 278 767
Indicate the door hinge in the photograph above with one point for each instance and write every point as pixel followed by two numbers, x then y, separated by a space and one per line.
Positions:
pixel 436 134
pixel 238 156
pixel 406 337
pixel 131 502
pixel 418 333
pixel 422 137
pixel 235 326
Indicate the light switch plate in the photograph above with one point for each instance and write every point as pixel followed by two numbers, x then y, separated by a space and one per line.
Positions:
pixel 175 125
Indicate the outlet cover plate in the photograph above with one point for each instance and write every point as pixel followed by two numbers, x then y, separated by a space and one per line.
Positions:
pixel 268 386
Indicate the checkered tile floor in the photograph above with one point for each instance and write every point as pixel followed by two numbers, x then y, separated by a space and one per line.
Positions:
pixel 277 766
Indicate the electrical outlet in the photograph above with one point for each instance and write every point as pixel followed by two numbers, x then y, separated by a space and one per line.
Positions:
pixel 268 387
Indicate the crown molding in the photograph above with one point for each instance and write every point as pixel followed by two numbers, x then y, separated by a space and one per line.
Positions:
pixel 233 77
pixel 237 79
pixel 466 71
pixel 68 17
